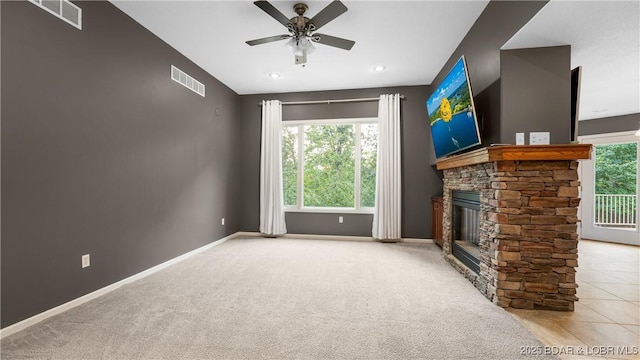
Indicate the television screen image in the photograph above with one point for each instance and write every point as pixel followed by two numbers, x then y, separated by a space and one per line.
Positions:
pixel 452 116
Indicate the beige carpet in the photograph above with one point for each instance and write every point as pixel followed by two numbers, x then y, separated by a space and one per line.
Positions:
pixel 286 299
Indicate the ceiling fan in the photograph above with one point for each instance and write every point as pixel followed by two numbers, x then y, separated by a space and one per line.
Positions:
pixel 302 29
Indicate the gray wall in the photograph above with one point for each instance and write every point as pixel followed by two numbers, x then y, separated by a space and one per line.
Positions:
pixel 630 122
pixel 103 153
pixel 536 93
pixel 499 21
pixel 420 181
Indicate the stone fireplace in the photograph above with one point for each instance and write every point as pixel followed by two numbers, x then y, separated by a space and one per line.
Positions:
pixel 522 230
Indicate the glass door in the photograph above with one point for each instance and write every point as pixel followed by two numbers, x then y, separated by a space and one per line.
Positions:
pixel 609 182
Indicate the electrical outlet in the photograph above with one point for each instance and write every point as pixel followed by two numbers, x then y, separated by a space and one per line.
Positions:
pixel 86 261
pixel 222 221
pixel 519 138
pixel 539 138
pixel 340 219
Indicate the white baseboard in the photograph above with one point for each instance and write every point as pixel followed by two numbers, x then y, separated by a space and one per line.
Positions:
pixel 247 234
pixel 333 237
pixel 12 329
pixel 328 237
pixel 306 236
pixel 417 241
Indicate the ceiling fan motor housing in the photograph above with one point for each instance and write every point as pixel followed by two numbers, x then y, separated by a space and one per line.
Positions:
pixel 300 21
pixel 300 8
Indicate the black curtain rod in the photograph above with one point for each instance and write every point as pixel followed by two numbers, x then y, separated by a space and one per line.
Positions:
pixel 330 101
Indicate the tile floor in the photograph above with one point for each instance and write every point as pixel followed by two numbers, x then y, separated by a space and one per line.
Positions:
pixel 606 320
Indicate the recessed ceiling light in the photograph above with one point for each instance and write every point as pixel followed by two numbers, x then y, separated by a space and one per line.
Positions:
pixel 274 75
pixel 379 68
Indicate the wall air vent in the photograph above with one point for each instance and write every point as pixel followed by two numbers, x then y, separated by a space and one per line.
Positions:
pixel 62 9
pixel 187 81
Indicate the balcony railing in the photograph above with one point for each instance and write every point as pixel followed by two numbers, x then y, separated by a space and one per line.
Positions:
pixel 616 210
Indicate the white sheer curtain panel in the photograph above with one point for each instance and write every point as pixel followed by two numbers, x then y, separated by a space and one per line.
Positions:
pixel 387 213
pixel 272 221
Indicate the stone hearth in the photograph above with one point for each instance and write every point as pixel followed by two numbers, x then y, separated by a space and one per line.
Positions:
pixel 528 222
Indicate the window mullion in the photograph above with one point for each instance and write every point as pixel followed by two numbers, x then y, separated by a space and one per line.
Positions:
pixel 358 156
pixel 300 184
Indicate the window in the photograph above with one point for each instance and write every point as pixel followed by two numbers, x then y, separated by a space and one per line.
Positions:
pixel 329 165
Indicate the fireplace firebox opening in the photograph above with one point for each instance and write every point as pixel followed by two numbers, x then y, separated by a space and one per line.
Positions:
pixel 466 228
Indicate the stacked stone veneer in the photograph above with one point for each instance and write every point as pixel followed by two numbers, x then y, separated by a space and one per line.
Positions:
pixel 528 231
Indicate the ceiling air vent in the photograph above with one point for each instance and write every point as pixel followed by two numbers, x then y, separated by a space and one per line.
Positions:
pixel 187 81
pixel 62 9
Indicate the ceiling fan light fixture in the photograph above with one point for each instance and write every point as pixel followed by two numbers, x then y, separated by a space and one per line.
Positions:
pixel 311 48
pixel 301 46
pixel 303 42
pixel 291 45
pixel 298 45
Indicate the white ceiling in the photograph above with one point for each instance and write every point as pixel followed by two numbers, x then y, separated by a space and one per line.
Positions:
pixel 412 39
pixel 605 40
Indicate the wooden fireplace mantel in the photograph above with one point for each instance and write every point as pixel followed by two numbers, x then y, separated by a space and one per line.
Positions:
pixel 517 153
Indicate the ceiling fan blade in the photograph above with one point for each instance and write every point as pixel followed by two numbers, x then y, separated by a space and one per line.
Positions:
pixel 333 41
pixel 267 39
pixel 272 11
pixel 327 14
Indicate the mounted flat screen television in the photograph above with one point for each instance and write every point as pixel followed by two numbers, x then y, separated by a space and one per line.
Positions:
pixel 576 78
pixel 452 115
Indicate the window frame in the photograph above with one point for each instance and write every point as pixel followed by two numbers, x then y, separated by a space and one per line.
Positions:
pixel 357 123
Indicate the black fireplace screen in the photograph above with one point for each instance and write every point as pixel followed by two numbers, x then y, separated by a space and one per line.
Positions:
pixel 466 228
